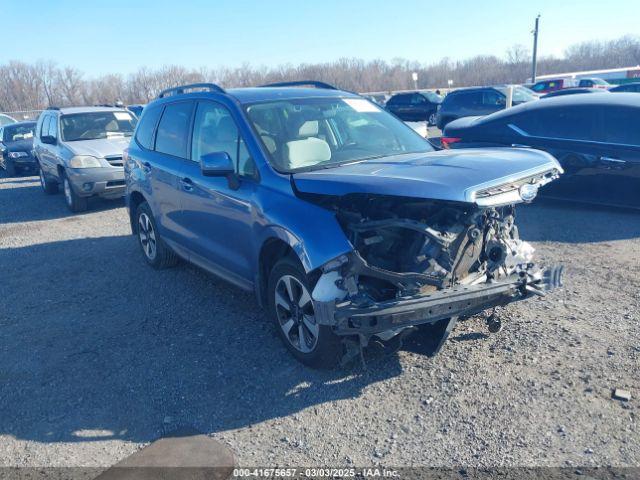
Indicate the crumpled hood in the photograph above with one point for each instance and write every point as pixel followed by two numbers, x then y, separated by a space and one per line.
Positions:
pixel 452 175
pixel 102 147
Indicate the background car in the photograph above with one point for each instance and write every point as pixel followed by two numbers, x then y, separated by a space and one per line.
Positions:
pixel 572 91
pixel 595 137
pixel 627 87
pixel 136 109
pixel 6 120
pixel 594 83
pixel 467 102
pixel 546 86
pixel 415 106
pixel 16 146
pixel 81 149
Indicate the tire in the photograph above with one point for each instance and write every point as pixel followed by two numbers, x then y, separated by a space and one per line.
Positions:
pixel 314 345
pixel 155 251
pixel 431 121
pixel 11 169
pixel 74 202
pixel 48 186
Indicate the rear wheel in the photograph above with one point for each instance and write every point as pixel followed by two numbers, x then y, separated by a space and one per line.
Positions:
pixel 48 186
pixel 156 252
pixel 292 310
pixel 74 202
pixel 431 121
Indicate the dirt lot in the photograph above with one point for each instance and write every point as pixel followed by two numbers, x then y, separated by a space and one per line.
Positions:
pixel 99 355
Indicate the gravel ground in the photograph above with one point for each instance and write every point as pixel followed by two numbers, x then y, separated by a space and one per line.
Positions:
pixel 99 355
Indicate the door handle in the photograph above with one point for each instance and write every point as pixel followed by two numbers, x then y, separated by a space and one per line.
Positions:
pixel 187 184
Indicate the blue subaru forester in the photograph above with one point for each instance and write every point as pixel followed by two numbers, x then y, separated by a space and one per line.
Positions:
pixel 345 222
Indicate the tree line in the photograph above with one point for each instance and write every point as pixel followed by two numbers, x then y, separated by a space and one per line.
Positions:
pixel 34 86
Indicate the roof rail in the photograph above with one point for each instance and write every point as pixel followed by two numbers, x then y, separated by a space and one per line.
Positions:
pixel 301 83
pixel 211 87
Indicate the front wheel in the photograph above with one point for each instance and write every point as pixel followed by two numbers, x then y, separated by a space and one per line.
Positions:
pixel 291 307
pixel 48 186
pixel 156 252
pixel 431 121
pixel 74 202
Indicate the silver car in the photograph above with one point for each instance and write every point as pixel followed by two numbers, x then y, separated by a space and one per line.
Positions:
pixel 81 148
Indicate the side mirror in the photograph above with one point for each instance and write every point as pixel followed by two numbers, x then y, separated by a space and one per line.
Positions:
pixel 48 139
pixel 219 164
pixel 216 164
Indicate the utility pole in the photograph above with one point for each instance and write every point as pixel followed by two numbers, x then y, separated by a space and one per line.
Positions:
pixel 535 51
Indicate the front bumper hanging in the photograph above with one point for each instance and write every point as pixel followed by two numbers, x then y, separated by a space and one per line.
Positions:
pixel 458 301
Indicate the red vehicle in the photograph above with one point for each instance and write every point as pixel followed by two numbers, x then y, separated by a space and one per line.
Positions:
pixel 546 86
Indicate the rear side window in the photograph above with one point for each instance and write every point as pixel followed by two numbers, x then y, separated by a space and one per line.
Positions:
pixel 173 130
pixel 622 126
pixel 148 122
pixel 578 123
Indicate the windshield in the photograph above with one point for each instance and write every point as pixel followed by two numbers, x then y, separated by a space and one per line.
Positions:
pixel 14 133
pixel 94 125
pixel 314 133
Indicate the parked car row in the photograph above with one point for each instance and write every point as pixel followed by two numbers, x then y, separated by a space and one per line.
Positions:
pixel 229 180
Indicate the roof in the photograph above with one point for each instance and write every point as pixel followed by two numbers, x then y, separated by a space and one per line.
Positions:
pixel 604 99
pixel 265 94
pixel 71 110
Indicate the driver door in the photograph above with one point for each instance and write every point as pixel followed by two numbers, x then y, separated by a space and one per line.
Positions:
pixel 219 214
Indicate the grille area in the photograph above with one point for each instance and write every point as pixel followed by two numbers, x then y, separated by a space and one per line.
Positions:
pixel 541 179
pixel 115 160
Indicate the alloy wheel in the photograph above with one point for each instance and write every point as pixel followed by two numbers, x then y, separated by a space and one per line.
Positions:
pixel 296 317
pixel 147 236
pixel 432 119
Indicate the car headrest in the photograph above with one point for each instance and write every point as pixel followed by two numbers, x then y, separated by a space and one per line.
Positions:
pixel 310 128
pixel 302 153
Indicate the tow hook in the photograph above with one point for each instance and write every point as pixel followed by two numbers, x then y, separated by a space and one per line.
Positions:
pixel 494 324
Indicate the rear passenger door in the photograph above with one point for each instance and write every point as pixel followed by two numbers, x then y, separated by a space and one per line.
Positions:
pixel 164 167
pixel 219 217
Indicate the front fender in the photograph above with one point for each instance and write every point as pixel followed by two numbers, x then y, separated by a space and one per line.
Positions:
pixel 312 232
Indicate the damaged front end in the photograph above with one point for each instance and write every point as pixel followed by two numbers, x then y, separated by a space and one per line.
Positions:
pixel 422 261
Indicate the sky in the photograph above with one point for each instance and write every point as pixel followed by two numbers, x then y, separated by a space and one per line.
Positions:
pixel 119 36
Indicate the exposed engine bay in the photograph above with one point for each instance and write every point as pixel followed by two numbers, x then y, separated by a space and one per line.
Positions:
pixel 420 261
pixel 416 246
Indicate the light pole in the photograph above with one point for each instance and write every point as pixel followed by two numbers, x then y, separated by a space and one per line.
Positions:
pixel 534 66
pixel 414 75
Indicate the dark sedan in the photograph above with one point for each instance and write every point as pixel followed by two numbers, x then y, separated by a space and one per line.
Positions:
pixel 415 106
pixel 16 145
pixel 626 87
pixel 596 138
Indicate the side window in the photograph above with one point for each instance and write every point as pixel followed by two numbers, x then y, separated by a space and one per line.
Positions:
pixel 578 123
pixel 492 98
pixel 417 99
pixel 53 127
pixel 214 130
pixel 622 126
pixel 148 122
pixel 173 131
pixel 44 128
